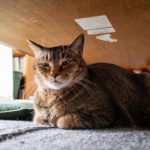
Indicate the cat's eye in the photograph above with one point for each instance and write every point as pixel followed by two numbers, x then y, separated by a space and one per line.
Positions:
pixel 45 64
pixel 65 63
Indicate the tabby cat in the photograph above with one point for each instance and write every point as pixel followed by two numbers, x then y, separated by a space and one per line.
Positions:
pixel 72 95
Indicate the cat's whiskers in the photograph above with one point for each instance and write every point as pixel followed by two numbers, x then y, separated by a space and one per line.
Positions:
pixel 83 85
pixel 33 89
pixel 29 83
pixel 88 81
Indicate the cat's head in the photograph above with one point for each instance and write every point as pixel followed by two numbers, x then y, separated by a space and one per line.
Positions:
pixel 59 67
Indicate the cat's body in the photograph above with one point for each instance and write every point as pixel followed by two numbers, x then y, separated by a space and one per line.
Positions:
pixel 96 96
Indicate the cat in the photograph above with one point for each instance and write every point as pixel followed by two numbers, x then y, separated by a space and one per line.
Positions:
pixel 73 95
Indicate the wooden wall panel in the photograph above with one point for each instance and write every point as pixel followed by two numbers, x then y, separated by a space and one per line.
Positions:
pixel 51 22
pixel 30 85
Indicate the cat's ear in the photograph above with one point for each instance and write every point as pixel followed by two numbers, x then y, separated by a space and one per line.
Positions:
pixel 77 44
pixel 36 48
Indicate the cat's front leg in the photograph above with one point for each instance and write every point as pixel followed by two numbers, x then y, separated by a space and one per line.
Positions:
pixel 38 120
pixel 41 117
pixel 72 121
pixel 41 120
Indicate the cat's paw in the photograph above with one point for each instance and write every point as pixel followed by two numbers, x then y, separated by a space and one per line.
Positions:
pixel 69 121
pixel 61 123
pixel 38 120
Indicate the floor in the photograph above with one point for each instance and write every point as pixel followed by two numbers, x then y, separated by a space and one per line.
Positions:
pixel 24 135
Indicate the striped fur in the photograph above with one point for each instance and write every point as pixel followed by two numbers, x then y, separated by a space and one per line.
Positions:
pixel 80 96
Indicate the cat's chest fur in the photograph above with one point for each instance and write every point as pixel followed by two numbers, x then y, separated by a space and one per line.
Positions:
pixel 50 105
pixel 76 97
pixel 45 105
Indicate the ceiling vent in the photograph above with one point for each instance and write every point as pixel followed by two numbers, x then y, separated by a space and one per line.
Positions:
pixel 97 25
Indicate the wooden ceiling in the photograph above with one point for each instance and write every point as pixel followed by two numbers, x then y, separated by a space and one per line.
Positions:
pixel 51 23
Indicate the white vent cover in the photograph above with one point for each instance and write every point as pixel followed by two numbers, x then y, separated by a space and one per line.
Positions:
pixel 106 37
pixel 97 25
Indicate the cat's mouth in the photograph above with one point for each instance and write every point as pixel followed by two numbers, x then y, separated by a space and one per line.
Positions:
pixel 57 82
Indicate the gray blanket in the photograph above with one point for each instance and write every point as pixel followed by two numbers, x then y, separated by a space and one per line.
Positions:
pixel 23 135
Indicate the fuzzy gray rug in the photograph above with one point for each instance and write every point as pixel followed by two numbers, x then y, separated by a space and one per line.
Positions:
pixel 22 135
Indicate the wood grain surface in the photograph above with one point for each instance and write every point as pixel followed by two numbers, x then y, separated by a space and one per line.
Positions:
pixel 51 22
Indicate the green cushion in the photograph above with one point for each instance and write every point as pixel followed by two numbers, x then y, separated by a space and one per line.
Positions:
pixel 16 109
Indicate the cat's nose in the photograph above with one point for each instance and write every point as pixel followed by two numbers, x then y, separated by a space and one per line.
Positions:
pixel 54 75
